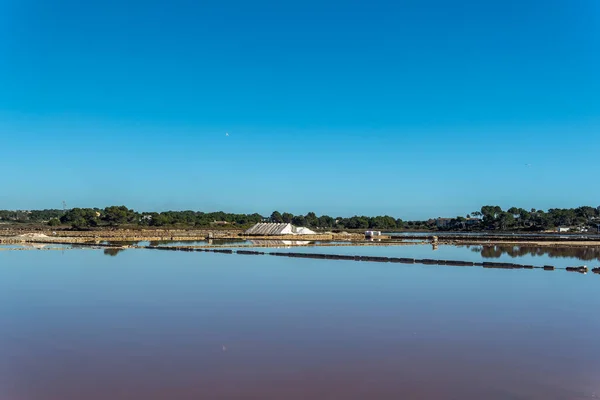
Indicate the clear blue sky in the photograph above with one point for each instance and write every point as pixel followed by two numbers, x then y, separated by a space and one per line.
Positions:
pixel 410 108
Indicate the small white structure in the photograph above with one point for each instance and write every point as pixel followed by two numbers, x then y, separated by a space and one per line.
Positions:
pixel 372 233
pixel 562 229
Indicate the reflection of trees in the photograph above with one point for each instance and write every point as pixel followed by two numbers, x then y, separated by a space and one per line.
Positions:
pixel 228 241
pixel 122 242
pixel 159 242
pixel 192 242
pixel 112 251
pixel 582 252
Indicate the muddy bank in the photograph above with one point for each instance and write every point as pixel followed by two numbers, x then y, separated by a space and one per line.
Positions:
pixel 114 235
pixel 11 235
pixel 126 233
pixel 136 235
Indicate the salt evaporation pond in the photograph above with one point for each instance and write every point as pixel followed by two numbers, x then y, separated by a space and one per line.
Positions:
pixel 149 324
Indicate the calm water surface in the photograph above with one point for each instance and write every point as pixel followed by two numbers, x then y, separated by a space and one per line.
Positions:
pixel 591 234
pixel 211 242
pixel 175 325
pixel 538 256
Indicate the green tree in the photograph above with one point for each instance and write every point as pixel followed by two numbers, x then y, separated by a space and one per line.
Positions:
pixel 161 219
pixel 43 215
pixel 54 222
pixel 299 220
pixel 80 218
pixel 287 217
pixel 506 220
pixel 586 212
pixel 490 215
pixel 118 215
pixel 524 218
pixel 276 217
pixel 357 222
pixel 513 210
pixel 490 212
pixel 325 221
pixel 382 222
pixel 311 220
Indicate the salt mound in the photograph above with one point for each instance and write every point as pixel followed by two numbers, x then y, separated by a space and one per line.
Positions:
pixel 34 236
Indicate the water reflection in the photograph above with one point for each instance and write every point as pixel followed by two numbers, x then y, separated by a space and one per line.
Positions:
pixel 497 251
pixel 280 242
pixel 211 242
pixel 113 251
pixel 158 325
pixel 121 242
pixel 35 245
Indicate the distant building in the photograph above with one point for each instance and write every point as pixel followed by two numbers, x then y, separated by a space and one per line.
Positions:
pixel 562 229
pixel 219 223
pixel 372 233
pixel 443 222
pixel 472 221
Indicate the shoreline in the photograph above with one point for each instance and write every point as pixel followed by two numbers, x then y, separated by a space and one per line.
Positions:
pixel 114 237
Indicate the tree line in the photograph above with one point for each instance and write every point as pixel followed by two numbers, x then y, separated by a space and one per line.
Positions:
pixel 581 252
pixel 494 218
pixel 36 216
pixel 487 218
pixel 115 216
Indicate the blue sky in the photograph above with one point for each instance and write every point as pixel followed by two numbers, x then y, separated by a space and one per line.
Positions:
pixel 410 108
